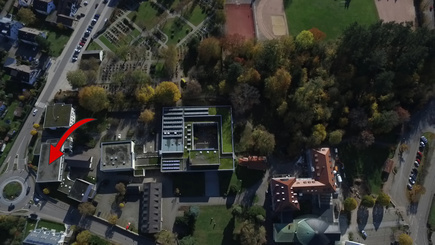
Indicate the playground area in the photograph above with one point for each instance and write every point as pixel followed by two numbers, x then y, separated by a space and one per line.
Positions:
pixel 240 20
pixel 271 19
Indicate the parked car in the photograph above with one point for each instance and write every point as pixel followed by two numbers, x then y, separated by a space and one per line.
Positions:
pixel 34 112
pixel 416 164
pixel 105 1
pixel 419 154
pixel 74 59
pixel 409 186
pixel 414 171
pixel 96 16
pixel 93 22
pixel 87 33
pixel 364 234
pixel 411 181
pixel 423 139
pixel 84 39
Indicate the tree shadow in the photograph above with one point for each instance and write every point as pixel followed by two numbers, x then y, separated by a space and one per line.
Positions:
pixel 344 223
pixel 109 232
pixel 362 217
pixel 228 232
pixel 378 215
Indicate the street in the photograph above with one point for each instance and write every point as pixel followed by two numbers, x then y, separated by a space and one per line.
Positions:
pixel 56 79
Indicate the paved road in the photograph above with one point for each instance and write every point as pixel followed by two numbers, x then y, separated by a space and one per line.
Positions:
pixel 416 215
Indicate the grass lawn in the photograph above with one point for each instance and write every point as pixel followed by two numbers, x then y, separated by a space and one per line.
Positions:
pixel 94 46
pixel 227 136
pixel 106 42
pixel 57 42
pixel 226 163
pixel 146 15
pixel 175 29
pixel 51 225
pixel 431 218
pixel 189 184
pixel 135 33
pixel 222 233
pixel 366 164
pixel 195 15
pixel 329 16
pixel 29 227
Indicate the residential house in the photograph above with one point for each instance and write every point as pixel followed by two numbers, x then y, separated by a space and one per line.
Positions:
pixel 23 73
pixel 9 28
pixel 28 35
pixel 65 13
pixel 44 6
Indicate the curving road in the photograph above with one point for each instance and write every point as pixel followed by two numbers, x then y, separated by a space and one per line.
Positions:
pixel 16 160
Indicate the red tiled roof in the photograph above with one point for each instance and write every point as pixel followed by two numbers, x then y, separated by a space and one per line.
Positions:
pixel 254 162
pixel 284 191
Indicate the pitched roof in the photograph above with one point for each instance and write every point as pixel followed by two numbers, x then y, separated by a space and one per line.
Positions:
pixel 150 210
pixel 254 162
pixel 323 167
pixel 283 195
pixel 284 232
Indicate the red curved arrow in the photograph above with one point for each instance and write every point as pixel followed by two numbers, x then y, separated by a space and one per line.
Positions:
pixel 55 152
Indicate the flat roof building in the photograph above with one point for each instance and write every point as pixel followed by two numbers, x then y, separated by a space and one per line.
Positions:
pixel 44 237
pixel 117 156
pixel 59 116
pixel 48 173
pixel 150 209
pixel 81 191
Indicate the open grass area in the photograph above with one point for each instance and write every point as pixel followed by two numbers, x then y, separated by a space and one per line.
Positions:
pixel 94 46
pixel 195 15
pixel 189 184
pixel 108 44
pixel 203 157
pixel 175 29
pixel 226 163
pixel 146 16
pixel 12 190
pixel 365 163
pixel 329 16
pixel 51 225
pixel 57 42
pixel 222 233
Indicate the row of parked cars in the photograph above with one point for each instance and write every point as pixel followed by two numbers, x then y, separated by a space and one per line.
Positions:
pixel 85 38
pixel 414 171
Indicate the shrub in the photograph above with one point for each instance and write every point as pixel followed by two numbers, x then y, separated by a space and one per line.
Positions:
pixel 368 201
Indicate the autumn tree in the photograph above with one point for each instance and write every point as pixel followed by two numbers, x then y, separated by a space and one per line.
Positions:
pixel 89 64
pixel 209 50
pixel 368 201
pixel 120 187
pixel 317 34
pixel 250 76
pixel 416 192
pixel 335 137
pixel 167 93
pixel 405 239
pixel 119 98
pixel 192 90
pixel 144 94
pixel 244 97
pixel 365 139
pixel 350 204
pixel 33 132
pixel 403 114
pixel 122 52
pixel 252 234
pixel 86 208
pixel 263 141
pixel 383 199
pixel 146 116
pixel 170 55
pixel 26 16
pixel 166 237
pixel 83 237
pixel 36 125
pixel 304 39
pixel 113 219
pixel 319 134
pixel 93 98
pixel 277 86
pixel 46 191
pixel 76 79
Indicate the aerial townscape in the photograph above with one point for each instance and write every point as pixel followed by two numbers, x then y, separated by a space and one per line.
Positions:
pixel 217 122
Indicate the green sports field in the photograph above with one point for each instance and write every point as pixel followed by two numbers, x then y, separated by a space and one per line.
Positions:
pixel 329 16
